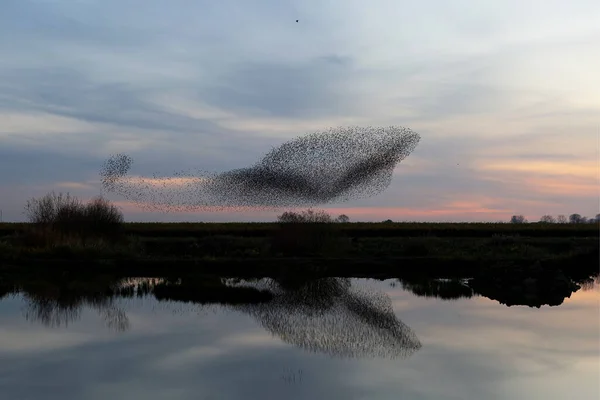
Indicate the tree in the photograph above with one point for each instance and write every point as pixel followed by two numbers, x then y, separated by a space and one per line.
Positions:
pixel 388 221
pixel 343 218
pixel 575 218
pixel 561 219
pixel 289 217
pixel 518 219
pixel 547 219
pixel 307 216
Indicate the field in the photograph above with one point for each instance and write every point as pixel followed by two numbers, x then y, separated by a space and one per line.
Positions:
pixel 358 229
pixel 217 245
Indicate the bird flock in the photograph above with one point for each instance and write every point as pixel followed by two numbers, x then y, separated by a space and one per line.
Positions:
pixel 336 165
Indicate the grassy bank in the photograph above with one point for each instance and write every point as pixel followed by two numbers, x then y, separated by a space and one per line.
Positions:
pixel 304 244
pixel 289 245
pixel 354 229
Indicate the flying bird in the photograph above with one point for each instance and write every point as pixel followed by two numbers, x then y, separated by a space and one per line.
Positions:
pixel 323 167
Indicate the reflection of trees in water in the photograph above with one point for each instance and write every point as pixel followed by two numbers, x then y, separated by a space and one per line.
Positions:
pixel 56 303
pixel 532 288
pixel 66 308
pixel 5 290
pixel 326 315
pixel 592 283
pixel 446 289
pixel 330 316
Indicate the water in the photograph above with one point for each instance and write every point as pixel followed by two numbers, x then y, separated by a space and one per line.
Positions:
pixel 346 339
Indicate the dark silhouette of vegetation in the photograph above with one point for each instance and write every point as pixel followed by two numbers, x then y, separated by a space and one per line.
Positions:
pixel 343 218
pixel 309 216
pixel 446 289
pixel 561 219
pixel 518 219
pixel 533 286
pixel 576 219
pixel 63 219
pixel 209 290
pixel 307 233
pixel 548 219
pixel 56 301
pixel 324 315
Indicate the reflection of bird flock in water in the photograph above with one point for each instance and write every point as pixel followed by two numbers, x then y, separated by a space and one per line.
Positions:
pixel 324 167
pixel 327 315
pixel 332 317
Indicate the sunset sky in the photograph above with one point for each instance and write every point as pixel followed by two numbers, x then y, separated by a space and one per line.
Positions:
pixel 505 95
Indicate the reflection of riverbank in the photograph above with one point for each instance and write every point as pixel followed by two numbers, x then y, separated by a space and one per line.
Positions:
pixel 533 288
pixel 302 311
pixel 324 315
pixel 57 303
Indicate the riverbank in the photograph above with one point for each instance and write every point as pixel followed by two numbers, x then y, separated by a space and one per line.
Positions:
pixel 341 249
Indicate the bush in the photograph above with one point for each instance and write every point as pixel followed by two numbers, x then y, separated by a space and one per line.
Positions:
pixel 308 216
pixel 102 217
pixel 307 233
pixel 59 218
pixel 46 210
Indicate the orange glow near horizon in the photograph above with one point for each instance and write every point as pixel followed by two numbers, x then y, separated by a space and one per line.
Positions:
pixel 582 169
pixel 164 182
pixel 356 213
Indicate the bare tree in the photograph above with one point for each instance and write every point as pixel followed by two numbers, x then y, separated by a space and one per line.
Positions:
pixel 47 209
pixel 289 217
pixel 548 219
pixel 561 219
pixel 343 218
pixel 575 219
pixel 307 216
pixel 518 219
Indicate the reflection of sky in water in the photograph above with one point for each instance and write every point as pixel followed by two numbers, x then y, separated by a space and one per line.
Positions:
pixel 471 349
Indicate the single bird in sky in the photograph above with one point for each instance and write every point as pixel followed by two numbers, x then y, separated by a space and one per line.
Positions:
pixel 296 20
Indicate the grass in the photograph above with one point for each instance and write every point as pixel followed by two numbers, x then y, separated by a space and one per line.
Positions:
pixel 354 229
pixel 293 244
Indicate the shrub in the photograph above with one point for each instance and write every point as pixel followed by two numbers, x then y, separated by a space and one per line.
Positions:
pixel 62 219
pixel 518 219
pixel 45 210
pixel 309 232
pixel 308 216
pixel 102 217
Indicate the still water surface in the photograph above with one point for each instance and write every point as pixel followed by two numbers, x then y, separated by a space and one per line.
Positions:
pixel 374 341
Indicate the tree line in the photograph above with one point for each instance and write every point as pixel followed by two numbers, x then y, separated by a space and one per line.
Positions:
pixel 561 219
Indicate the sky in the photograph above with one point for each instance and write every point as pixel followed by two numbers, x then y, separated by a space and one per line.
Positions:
pixel 505 96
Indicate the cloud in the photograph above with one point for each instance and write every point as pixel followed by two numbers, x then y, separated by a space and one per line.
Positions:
pixel 315 89
pixel 68 93
pixel 215 85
